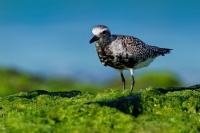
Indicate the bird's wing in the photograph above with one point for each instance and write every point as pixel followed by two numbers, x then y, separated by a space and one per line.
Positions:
pixel 137 49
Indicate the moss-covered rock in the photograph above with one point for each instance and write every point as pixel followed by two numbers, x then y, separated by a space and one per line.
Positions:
pixel 150 110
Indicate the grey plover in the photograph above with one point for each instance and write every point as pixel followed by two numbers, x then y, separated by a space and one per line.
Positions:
pixel 124 52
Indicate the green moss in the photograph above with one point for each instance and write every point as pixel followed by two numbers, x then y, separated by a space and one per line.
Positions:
pixel 161 111
pixel 45 113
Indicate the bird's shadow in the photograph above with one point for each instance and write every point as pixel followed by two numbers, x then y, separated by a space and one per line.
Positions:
pixel 128 105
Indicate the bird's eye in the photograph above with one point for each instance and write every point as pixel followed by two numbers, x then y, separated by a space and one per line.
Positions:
pixel 104 32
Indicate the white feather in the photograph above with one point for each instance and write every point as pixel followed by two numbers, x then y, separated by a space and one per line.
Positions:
pixel 144 64
pixel 97 31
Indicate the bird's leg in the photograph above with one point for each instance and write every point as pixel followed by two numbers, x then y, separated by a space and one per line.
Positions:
pixel 123 81
pixel 133 81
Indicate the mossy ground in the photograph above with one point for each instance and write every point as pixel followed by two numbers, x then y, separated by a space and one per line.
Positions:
pixel 162 110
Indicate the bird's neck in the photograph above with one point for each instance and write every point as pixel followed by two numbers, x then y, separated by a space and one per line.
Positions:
pixel 102 42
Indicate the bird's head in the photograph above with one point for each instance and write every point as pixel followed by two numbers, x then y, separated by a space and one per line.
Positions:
pixel 101 34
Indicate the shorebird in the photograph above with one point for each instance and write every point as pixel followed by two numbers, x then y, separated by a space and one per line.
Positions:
pixel 124 52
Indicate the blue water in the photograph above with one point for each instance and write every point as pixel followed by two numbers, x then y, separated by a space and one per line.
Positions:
pixel 52 37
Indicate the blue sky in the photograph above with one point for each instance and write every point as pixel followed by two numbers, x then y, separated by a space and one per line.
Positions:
pixel 52 37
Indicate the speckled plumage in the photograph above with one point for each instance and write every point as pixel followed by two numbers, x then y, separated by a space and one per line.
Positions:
pixel 123 52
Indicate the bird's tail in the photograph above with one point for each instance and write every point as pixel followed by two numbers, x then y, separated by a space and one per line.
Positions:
pixel 163 51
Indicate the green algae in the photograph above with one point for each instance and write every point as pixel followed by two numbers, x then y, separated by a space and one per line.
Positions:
pixel 161 110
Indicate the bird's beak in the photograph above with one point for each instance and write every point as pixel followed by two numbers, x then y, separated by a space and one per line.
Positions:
pixel 95 38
